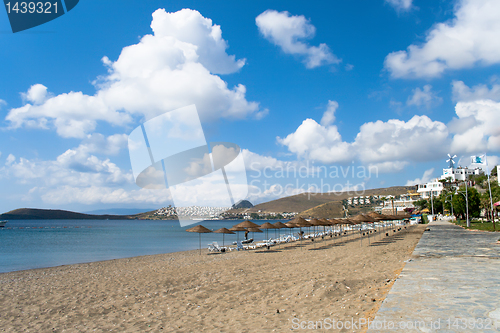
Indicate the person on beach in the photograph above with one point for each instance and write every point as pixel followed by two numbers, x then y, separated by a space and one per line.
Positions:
pixel 246 234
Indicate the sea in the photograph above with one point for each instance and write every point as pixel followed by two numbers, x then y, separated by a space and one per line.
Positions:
pixel 28 244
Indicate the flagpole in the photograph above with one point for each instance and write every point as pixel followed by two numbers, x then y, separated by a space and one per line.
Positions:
pixel 489 187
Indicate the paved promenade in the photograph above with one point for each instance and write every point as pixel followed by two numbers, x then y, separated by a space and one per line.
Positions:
pixel 451 284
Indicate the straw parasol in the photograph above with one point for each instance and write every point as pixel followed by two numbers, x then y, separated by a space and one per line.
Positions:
pixel 237 229
pixel 334 222
pixel 223 231
pixel 290 225
pixel 200 230
pixel 254 230
pixel 363 219
pixel 300 222
pixel 267 226
pixel 280 225
pixel 315 222
pixel 247 224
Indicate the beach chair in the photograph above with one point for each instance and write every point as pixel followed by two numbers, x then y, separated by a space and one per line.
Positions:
pixel 219 248
pixel 239 246
pixel 211 247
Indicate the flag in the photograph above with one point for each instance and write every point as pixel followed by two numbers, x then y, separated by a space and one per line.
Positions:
pixel 479 159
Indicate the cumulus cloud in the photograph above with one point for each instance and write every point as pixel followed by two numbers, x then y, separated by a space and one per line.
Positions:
pixel 396 140
pixel 98 143
pixel 36 94
pixel 329 115
pixel 377 143
pixel 425 178
pixel 172 68
pixel 476 128
pixel 290 33
pixel 424 97
pixel 313 141
pixel 463 42
pixel 388 167
pixel 401 5
pixel 462 92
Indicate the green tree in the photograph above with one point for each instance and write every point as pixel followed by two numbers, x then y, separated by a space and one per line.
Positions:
pixel 421 204
pixel 459 203
pixel 494 171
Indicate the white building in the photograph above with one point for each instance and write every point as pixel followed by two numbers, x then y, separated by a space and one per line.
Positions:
pixel 460 174
pixel 433 188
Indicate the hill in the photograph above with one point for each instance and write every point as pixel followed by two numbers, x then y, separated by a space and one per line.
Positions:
pixel 57 214
pixel 305 201
pixel 242 204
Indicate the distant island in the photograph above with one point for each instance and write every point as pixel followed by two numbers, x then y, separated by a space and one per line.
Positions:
pixel 58 214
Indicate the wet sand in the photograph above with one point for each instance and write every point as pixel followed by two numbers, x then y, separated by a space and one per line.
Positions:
pixel 246 291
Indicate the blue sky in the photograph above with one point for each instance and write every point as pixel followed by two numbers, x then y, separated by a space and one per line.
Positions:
pixel 391 86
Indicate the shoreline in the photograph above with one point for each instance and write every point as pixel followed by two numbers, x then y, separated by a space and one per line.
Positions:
pixel 183 291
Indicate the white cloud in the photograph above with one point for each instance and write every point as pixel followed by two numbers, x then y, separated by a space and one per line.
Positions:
pixel 464 42
pixel 401 5
pixel 98 143
pixel 313 141
pixel 289 32
pixel 36 94
pixel 189 26
pixel 74 167
pixel 388 167
pixel 476 129
pixel 10 159
pixel 424 97
pixel 67 194
pixel 425 178
pixel 329 115
pixel 461 92
pixel 255 162
pixel 377 143
pixel 418 139
pixel 170 69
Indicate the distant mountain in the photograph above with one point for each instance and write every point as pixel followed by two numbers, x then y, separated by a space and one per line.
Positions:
pixel 56 214
pixel 242 204
pixel 119 211
pixel 301 202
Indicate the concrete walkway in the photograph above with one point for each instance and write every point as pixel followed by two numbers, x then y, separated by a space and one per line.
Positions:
pixel 451 284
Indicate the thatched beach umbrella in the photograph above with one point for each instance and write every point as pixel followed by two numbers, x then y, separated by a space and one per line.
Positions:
pixel 200 230
pixel 247 224
pixel 363 219
pixel 279 225
pixel 267 226
pixel 254 230
pixel 315 223
pixel 237 229
pixel 300 222
pixel 223 231
pixel 349 221
pixel 290 225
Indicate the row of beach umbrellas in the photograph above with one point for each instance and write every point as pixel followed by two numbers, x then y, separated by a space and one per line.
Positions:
pixel 297 222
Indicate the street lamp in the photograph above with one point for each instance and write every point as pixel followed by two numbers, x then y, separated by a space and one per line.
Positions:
pixel 466 205
pixel 451 203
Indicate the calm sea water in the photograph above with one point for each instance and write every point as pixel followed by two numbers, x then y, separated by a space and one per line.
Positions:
pixel 27 244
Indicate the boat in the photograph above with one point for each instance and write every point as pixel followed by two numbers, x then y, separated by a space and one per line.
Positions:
pixel 3 223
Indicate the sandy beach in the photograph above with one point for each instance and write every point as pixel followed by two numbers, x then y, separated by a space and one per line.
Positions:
pixel 245 291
